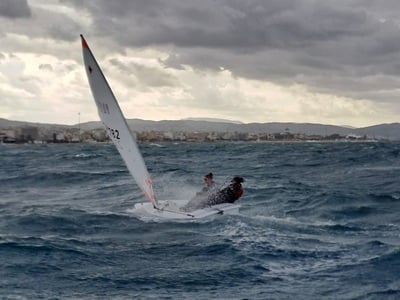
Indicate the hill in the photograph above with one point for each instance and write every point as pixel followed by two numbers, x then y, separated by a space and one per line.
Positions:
pixel 386 131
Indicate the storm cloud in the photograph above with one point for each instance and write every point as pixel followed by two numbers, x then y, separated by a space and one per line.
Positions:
pixel 14 9
pixel 331 47
pixel 348 51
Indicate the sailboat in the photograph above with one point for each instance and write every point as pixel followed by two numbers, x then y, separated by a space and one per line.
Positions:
pixel 117 128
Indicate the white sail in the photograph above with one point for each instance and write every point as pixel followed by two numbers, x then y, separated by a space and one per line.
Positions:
pixel 115 123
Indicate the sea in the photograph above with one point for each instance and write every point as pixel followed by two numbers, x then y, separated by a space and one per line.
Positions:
pixel 317 221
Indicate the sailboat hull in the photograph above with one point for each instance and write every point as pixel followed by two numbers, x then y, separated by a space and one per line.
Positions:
pixel 170 210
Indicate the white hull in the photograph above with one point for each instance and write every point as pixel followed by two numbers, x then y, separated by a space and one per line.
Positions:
pixel 170 210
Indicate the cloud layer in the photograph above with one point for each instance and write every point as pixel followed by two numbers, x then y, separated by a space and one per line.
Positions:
pixel 254 61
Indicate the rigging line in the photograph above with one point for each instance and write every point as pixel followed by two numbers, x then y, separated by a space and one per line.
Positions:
pixel 224 183
pixel 175 212
pixel 220 211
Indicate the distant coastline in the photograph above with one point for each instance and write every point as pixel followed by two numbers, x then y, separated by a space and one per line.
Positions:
pixel 193 131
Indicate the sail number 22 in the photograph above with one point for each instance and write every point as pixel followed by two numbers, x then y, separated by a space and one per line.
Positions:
pixel 114 133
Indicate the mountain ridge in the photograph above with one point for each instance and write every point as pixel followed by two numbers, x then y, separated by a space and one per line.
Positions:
pixel 387 130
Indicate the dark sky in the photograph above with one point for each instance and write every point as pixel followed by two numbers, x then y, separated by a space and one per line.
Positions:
pixel 346 50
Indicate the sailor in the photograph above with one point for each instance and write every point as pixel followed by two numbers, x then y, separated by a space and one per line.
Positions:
pixel 229 194
pixel 201 197
pixel 209 185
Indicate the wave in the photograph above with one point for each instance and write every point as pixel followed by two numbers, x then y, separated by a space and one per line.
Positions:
pixel 59 177
pixel 316 221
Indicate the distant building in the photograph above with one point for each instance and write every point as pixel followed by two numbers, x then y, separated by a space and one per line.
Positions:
pixel 8 136
pixel 58 137
pixel 29 134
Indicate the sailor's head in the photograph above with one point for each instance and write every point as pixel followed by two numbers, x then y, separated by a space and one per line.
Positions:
pixel 208 176
pixel 237 179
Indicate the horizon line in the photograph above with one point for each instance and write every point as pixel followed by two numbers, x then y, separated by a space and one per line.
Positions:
pixel 209 120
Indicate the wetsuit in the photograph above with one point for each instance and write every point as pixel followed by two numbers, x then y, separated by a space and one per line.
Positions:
pixel 208 189
pixel 200 199
pixel 228 195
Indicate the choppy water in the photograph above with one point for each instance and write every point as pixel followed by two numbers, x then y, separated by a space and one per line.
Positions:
pixel 318 221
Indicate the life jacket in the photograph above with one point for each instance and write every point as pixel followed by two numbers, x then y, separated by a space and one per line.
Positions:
pixel 239 193
pixel 233 192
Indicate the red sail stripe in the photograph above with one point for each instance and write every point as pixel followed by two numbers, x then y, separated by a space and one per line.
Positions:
pixel 84 44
